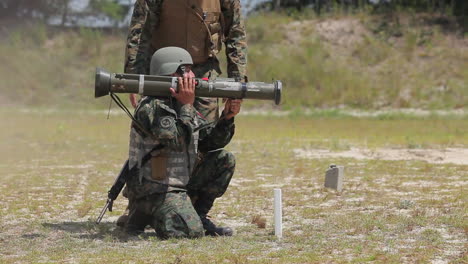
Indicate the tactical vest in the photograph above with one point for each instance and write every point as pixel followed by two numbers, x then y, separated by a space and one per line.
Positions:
pixel 173 168
pixel 165 162
pixel 194 25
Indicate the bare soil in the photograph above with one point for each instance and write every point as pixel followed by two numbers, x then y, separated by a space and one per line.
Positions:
pixel 437 156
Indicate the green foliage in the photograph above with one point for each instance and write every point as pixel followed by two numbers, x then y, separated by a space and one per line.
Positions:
pixel 457 8
pixel 405 204
pixel 372 51
pixel 308 73
pixel 29 8
pixel 382 69
pixel 57 69
pixel 91 42
pixel 432 236
pixel 399 62
pixel 411 41
pixel 108 7
pixel 386 28
pixel 31 36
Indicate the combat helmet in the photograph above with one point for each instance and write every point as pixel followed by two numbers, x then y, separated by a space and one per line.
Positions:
pixel 165 61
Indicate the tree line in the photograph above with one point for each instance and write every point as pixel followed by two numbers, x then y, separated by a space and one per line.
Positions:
pixel 451 7
pixel 43 9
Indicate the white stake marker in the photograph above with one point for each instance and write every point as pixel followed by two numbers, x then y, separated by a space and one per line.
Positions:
pixel 278 214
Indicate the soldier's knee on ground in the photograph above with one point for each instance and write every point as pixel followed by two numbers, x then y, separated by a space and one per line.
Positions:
pixel 179 225
pixel 177 218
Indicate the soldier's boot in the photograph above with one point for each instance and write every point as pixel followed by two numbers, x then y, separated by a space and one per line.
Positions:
pixel 136 221
pixel 123 219
pixel 202 206
pixel 212 230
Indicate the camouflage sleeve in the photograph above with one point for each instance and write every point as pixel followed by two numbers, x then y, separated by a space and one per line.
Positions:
pixel 235 38
pixel 138 51
pixel 163 122
pixel 187 114
pixel 217 136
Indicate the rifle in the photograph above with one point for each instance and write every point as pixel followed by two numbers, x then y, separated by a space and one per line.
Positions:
pixel 115 190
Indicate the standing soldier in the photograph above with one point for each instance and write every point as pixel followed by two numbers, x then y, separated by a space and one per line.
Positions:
pixel 200 27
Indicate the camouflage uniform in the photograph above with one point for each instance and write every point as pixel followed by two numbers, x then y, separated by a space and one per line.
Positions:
pixel 139 49
pixel 162 202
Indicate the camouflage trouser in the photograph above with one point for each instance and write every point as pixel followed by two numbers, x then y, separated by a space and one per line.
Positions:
pixel 210 179
pixel 170 214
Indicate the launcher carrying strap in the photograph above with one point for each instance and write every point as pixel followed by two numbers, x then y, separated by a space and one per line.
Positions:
pixel 135 122
pixel 138 125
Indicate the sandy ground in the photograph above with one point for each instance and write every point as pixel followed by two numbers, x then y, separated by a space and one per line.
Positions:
pixel 49 205
pixel 438 156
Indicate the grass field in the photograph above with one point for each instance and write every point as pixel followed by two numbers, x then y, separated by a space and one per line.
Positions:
pixel 56 168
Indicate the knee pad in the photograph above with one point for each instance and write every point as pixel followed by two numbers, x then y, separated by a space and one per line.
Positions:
pixel 226 158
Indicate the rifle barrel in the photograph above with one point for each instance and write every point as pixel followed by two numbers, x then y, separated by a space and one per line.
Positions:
pixel 103 211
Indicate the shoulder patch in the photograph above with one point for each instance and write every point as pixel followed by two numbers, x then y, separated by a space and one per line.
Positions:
pixel 166 122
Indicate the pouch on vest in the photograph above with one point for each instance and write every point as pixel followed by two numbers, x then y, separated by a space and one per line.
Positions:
pixel 159 167
pixel 216 37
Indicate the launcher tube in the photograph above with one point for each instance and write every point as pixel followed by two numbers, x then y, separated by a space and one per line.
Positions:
pixel 159 86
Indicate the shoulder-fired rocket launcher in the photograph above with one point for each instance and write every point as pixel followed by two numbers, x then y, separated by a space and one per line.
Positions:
pixel 151 85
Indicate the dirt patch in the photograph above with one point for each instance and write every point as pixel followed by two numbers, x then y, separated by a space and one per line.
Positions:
pixel 438 156
pixel 296 31
pixel 343 32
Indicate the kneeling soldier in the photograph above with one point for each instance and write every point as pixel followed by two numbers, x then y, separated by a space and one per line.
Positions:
pixel 177 164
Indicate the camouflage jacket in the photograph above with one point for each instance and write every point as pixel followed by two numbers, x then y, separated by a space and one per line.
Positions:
pixel 145 18
pixel 176 132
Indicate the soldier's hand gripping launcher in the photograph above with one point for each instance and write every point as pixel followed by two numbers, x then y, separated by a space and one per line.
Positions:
pixel 151 85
